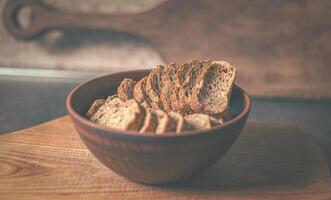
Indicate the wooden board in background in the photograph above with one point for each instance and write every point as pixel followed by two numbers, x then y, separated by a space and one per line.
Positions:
pixel 267 162
pixel 281 47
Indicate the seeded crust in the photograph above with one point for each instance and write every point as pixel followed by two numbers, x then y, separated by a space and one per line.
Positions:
pixel 180 79
pixel 139 93
pixel 185 91
pixel 212 92
pixel 121 115
pixel 94 107
pixel 109 98
pixel 167 78
pixel 184 82
pixel 198 121
pixel 150 122
pixel 154 86
pixel 180 122
pixel 125 89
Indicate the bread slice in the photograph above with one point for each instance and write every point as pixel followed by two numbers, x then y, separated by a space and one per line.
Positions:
pixel 185 93
pixel 94 107
pixel 154 86
pixel 184 81
pixel 167 78
pixel 166 124
pixel 111 101
pixel 180 79
pixel 125 89
pixel 140 95
pixel 198 121
pixel 122 115
pixel 212 92
pixel 150 122
pixel 180 122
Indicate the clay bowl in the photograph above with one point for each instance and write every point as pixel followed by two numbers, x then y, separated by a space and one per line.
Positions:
pixel 151 159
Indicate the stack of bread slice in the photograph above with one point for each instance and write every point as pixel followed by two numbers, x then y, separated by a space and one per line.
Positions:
pixel 170 99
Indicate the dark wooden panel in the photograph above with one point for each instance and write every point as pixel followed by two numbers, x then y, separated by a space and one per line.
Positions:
pixel 281 47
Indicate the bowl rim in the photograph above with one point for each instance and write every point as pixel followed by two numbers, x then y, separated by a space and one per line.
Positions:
pixel 121 133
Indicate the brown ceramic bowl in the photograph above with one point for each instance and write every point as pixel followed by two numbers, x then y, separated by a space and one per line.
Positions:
pixel 152 159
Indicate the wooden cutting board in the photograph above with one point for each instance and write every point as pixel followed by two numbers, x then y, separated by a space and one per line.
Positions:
pixel 268 161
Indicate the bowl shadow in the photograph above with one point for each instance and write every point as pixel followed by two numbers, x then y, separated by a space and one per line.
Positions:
pixel 265 155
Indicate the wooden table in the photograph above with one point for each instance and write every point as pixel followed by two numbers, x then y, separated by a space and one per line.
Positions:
pixel 269 161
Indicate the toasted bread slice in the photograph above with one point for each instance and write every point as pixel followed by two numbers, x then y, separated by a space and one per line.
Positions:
pixel 150 122
pixel 198 121
pixel 185 93
pixel 168 76
pixel 125 89
pixel 180 79
pixel 94 107
pixel 154 87
pixel 180 122
pixel 111 101
pixel 166 124
pixel 121 115
pixel 184 81
pixel 140 95
pixel 162 122
pixel 212 92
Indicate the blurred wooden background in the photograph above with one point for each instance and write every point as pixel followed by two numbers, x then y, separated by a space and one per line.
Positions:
pixel 282 48
pixel 91 50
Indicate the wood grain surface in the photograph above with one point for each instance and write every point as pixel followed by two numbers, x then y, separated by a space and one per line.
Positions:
pixel 268 161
